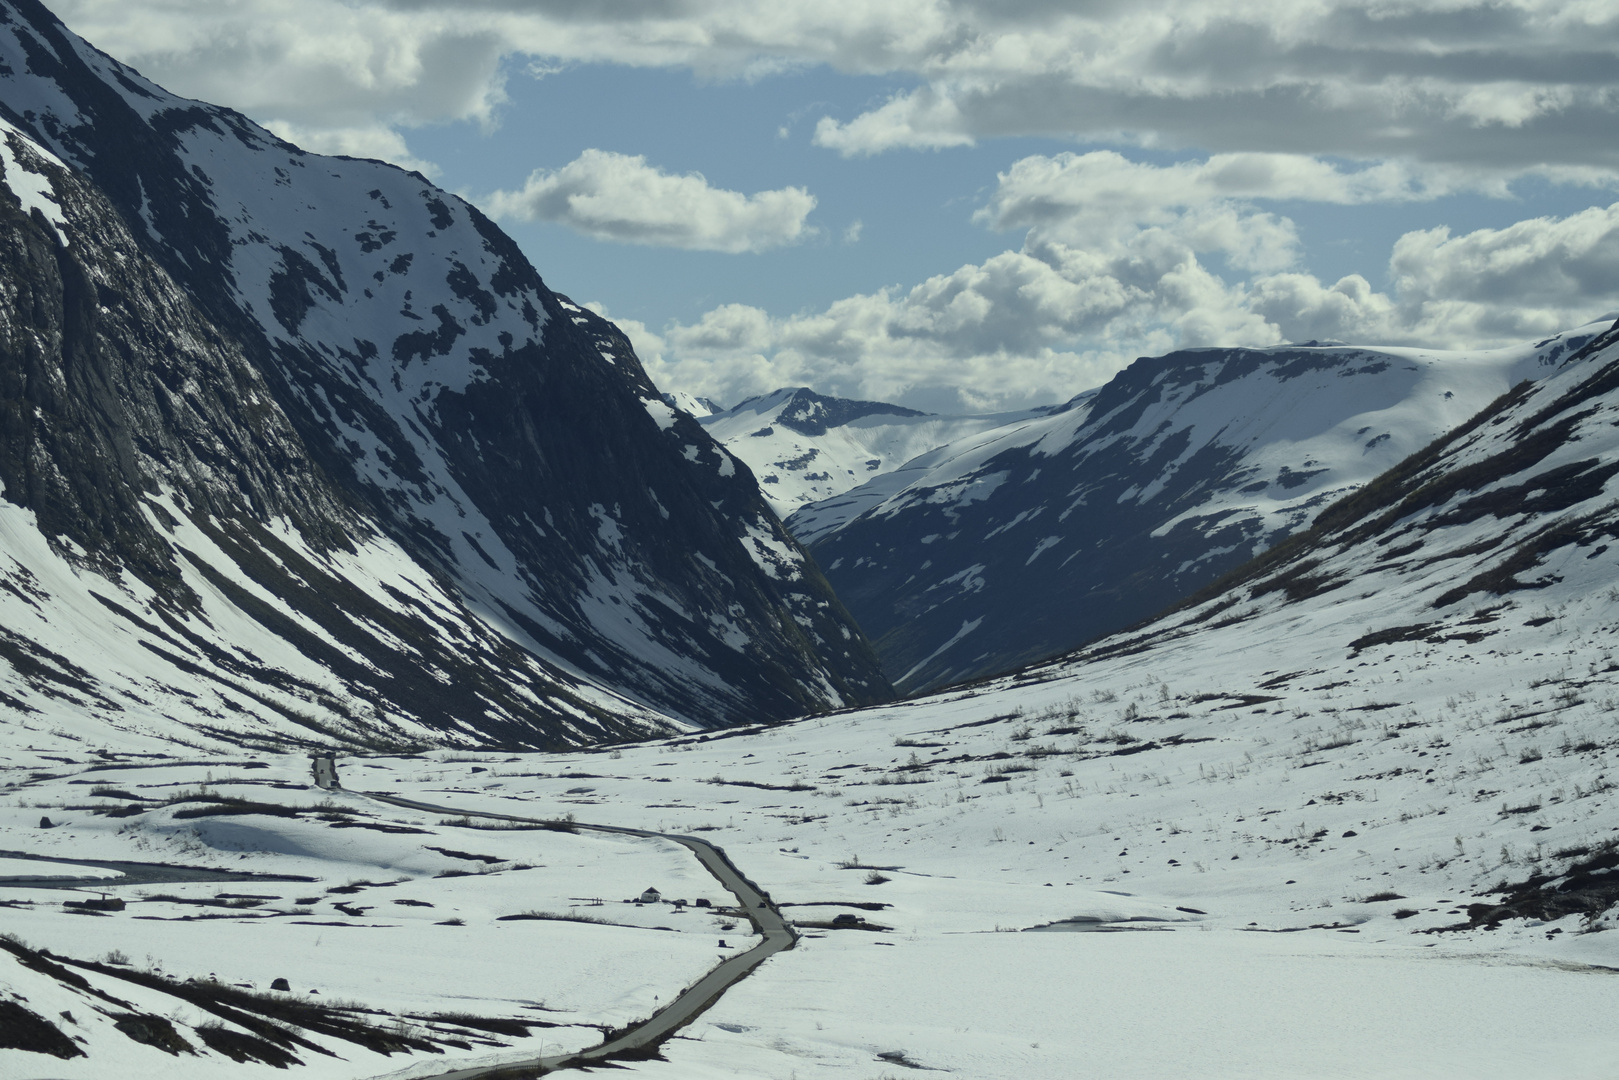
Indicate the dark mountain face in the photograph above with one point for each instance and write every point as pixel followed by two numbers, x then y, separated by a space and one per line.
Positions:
pixel 326 403
pixel 1073 525
pixel 1496 525
pixel 110 375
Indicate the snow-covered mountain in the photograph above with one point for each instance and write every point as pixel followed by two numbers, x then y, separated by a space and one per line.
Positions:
pixel 1510 510
pixel 806 447
pixel 815 521
pixel 1365 784
pixel 691 404
pixel 1348 811
pixel 302 447
pixel 1030 539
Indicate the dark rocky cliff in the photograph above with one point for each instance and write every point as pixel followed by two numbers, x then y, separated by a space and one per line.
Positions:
pixel 323 402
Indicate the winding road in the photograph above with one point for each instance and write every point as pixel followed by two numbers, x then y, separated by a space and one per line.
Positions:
pixel 775 935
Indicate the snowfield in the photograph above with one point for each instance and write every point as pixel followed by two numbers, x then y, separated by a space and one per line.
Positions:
pixel 419 915
pixel 1288 966
pixel 805 448
pixel 1352 815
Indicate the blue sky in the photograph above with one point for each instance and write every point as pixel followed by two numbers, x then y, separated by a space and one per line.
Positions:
pixel 914 209
pixel 968 206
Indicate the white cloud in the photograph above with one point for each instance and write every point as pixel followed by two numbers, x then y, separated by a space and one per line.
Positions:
pixel 919 120
pixel 1472 82
pixel 1529 278
pixel 1480 83
pixel 1044 322
pixel 1040 190
pixel 620 197
pixel 1019 328
pixel 315 65
pixel 1118 258
pixel 1486 287
pixel 1303 309
pixel 1099 200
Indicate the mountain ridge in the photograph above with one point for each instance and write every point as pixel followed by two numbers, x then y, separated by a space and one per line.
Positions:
pixel 413 400
pixel 1026 541
pixel 808 448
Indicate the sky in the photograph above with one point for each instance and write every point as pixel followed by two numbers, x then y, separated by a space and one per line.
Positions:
pixel 968 206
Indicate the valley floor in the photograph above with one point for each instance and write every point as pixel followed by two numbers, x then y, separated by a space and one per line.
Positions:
pixel 1260 863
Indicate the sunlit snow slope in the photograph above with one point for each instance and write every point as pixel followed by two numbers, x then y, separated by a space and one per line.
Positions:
pixel 1020 542
pixel 806 447
pixel 302 447
pixel 1512 509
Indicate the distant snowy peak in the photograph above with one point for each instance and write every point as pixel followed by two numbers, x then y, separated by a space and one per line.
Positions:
pixel 814 522
pixel 802 410
pixel 1019 543
pixel 805 447
pixel 691 405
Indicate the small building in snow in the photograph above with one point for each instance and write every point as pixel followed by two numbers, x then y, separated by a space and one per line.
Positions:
pixel 651 896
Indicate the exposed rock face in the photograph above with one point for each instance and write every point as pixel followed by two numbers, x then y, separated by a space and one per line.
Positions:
pixel 298 443
pixel 1028 541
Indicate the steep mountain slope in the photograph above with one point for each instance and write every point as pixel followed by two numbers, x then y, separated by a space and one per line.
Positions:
pixel 1364 784
pixel 806 447
pixel 329 416
pixel 1515 506
pixel 1035 538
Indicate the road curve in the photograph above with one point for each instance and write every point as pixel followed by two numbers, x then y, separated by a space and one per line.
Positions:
pixel 775 935
pixel 134 873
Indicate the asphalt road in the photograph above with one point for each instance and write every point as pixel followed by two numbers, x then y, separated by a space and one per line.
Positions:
pixel 775 935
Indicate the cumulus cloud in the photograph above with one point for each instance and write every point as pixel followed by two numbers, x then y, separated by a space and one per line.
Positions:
pixel 1471 82
pixel 1487 287
pixel 620 197
pixel 1019 328
pixel 1531 84
pixel 1041 323
pixel 1041 190
pixel 924 119
pixel 1099 200
pixel 1529 278
pixel 332 72
pixel 1410 98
